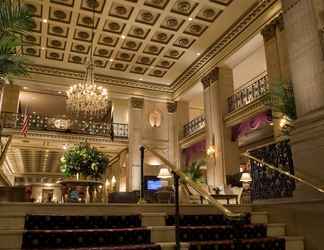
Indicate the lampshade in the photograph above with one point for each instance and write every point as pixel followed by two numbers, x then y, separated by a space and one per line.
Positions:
pixel 246 177
pixel 113 180
pixel 164 173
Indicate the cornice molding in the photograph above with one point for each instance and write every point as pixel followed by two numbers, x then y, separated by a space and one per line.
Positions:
pixel 109 80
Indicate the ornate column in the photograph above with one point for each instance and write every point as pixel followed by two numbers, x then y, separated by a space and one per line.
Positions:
pixel 276 52
pixel 135 131
pixel 306 59
pixel 10 98
pixel 218 86
pixel 172 138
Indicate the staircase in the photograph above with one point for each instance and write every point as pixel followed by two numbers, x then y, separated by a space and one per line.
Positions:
pixel 147 230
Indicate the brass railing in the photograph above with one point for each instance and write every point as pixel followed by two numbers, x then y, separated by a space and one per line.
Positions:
pixel 274 168
pixel 249 92
pixel 194 125
pixel 197 187
pixel 43 122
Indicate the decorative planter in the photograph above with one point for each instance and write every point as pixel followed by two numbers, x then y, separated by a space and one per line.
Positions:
pixel 82 191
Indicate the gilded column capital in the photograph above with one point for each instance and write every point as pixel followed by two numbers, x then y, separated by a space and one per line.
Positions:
pixel 172 107
pixel 137 103
pixel 269 31
pixel 210 78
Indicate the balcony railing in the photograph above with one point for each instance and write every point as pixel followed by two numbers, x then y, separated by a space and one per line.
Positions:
pixel 194 125
pixel 42 122
pixel 249 92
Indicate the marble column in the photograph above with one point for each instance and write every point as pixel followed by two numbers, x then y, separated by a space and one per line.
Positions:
pixel 10 98
pixel 135 132
pixel 306 59
pixel 218 86
pixel 277 60
pixel 172 133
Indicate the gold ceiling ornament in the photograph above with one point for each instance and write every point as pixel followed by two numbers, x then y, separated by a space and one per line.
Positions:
pixel 86 99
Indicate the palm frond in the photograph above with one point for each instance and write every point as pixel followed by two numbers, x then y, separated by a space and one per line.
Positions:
pixel 14 18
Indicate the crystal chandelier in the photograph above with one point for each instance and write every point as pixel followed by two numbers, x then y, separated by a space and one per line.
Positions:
pixel 86 99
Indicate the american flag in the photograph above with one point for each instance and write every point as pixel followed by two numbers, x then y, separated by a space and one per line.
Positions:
pixel 25 125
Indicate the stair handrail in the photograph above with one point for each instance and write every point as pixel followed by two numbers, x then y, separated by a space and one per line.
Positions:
pixel 117 156
pixel 183 177
pixel 3 156
pixel 272 167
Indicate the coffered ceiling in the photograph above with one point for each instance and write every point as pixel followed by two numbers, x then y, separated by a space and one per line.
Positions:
pixel 147 48
pixel 153 40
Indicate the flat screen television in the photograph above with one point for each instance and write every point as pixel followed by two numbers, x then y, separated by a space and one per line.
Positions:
pixel 153 185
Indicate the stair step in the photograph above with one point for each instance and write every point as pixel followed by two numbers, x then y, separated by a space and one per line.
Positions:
pixel 276 230
pixel 124 247
pixel 294 242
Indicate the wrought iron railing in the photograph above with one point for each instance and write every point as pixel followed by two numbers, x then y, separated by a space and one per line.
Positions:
pixel 249 92
pixel 194 125
pixel 275 182
pixel 42 122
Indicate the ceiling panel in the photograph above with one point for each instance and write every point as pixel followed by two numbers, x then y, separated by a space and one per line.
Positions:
pixel 128 35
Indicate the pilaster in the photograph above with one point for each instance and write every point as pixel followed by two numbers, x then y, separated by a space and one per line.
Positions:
pixel 135 131
pixel 218 86
pixel 10 98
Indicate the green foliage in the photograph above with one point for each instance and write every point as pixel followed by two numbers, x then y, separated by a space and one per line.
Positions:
pixel 85 160
pixel 280 98
pixel 15 21
pixel 194 171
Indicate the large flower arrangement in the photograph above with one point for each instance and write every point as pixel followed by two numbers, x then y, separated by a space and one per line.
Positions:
pixel 84 160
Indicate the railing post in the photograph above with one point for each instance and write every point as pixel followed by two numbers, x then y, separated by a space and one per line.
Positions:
pixel 177 210
pixel 142 199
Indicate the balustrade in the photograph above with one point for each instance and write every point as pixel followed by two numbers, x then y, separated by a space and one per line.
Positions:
pixel 42 122
pixel 249 92
pixel 194 125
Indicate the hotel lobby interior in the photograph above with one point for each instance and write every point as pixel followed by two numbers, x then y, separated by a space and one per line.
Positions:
pixel 161 124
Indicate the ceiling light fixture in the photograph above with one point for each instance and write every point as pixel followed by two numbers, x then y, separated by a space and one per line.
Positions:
pixel 190 18
pixel 198 54
pixel 123 37
pixel 44 20
pixel 86 100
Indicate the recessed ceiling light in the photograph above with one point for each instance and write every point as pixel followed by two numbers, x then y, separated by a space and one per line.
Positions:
pixel 60 92
pixel 44 20
pixel 198 54
pixel 123 37
pixel 111 59
pixel 190 18
pixel 43 48
pixel 141 79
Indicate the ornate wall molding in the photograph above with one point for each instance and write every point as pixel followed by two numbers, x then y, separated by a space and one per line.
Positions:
pixel 137 103
pixel 269 31
pixel 212 77
pixel 172 107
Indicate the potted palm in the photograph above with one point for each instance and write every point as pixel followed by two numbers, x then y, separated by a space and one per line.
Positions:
pixel 15 21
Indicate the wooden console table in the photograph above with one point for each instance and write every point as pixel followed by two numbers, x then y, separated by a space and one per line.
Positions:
pixel 226 197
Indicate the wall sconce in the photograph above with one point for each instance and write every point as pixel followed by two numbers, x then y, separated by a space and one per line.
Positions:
pixel 211 150
pixel 155 119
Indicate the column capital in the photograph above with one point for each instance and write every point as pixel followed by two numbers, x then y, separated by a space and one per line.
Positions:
pixel 210 78
pixel 137 103
pixel 172 107
pixel 269 31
